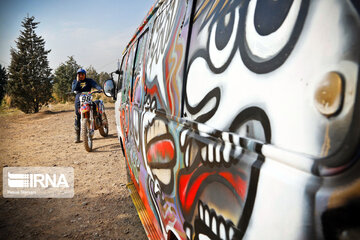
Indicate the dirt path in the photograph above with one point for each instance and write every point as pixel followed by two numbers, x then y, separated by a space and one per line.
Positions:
pixel 101 207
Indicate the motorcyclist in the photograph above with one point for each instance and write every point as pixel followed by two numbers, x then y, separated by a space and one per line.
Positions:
pixel 79 85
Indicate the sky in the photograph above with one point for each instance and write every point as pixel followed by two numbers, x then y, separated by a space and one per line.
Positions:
pixel 94 32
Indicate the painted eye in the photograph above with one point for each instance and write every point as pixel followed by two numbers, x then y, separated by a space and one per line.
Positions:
pixel 223 38
pixel 269 31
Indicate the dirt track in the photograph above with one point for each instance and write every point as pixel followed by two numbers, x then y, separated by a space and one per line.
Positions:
pixel 101 207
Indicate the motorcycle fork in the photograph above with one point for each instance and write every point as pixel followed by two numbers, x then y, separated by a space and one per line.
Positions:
pixel 92 126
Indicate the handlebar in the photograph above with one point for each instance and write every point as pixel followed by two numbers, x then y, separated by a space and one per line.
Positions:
pixel 97 91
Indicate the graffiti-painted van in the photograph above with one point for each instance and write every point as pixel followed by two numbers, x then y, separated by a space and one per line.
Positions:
pixel 240 119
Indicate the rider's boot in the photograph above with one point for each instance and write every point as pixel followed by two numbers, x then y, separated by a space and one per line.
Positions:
pixel 77 135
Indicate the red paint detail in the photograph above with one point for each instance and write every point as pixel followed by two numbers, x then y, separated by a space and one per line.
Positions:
pixel 188 192
pixel 163 148
pixel 129 95
pixel 168 62
pixel 135 86
pixel 167 79
pixel 154 90
pixel 237 183
pixel 126 120
pixel 122 123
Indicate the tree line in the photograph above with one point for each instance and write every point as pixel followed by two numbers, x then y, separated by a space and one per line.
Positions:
pixel 29 82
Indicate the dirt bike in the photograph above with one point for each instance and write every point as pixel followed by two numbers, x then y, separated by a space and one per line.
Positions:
pixel 93 117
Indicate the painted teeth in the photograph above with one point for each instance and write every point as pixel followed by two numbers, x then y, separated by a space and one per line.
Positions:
pixel 201 211
pixel 203 237
pixel 188 232
pixel 231 233
pixel 226 152
pixel 187 156
pixel 222 232
pixel 217 150
pixel 217 154
pixel 183 137
pixel 207 218
pixel 238 151
pixel 223 229
pixel 203 153
pixel 213 225
pixel 211 152
pixel 226 136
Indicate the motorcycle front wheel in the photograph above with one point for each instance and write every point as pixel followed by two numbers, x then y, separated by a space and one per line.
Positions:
pixel 104 129
pixel 86 134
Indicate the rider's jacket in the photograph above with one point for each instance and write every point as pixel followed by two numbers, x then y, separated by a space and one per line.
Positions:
pixel 84 86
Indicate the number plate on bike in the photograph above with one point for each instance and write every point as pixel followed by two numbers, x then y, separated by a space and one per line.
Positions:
pixel 85 98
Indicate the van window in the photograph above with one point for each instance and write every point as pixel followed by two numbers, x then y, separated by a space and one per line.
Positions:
pixel 139 71
pixel 128 73
pixel 122 68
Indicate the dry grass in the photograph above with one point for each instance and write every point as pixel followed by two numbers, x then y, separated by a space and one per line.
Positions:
pixel 5 110
pixel 52 107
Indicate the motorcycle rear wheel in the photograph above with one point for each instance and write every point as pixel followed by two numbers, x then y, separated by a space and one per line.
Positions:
pixel 104 129
pixel 85 130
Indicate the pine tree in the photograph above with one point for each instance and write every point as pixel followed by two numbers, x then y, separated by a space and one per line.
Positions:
pixel 64 76
pixel 3 81
pixel 92 73
pixel 103 76
pixel 30 78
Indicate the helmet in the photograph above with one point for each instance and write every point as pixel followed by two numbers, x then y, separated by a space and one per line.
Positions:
pixel 81 70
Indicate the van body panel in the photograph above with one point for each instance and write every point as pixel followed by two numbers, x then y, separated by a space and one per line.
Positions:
pixel 241 119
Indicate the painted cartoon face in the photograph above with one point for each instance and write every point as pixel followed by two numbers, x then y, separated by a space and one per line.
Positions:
pixel 160 147
pixel 217 185
pixel 159 154
pixel 254 70
pixel 244 55
pixel 161 97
